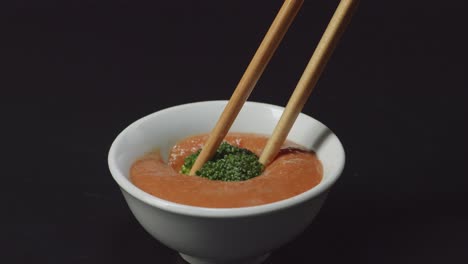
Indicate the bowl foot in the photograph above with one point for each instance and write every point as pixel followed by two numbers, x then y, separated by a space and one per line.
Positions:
pixel 252 260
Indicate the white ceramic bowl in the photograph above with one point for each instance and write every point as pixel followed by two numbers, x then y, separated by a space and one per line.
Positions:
pixel 231 235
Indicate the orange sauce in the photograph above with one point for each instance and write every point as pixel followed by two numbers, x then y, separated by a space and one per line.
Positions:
pixel 293 171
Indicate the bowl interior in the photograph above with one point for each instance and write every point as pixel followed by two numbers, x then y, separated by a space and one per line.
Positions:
pixel 163 129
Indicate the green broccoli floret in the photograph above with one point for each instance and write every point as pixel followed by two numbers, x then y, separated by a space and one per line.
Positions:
pixel 188 162
pixel 230 163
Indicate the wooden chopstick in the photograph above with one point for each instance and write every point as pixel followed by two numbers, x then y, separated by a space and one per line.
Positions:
pixel 273 37
pixel 309 78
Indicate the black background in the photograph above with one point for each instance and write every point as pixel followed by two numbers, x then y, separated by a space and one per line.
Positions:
pixel 75 73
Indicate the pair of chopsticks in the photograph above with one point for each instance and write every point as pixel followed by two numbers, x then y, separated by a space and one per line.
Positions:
pixel 301 93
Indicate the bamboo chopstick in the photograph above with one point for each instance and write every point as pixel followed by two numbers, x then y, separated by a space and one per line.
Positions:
pixel 273 37
pixel 309 78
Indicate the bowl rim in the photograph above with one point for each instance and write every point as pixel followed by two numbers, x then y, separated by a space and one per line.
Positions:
pixel 127 186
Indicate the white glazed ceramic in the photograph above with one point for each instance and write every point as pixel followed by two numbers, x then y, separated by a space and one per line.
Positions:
pixel 232 235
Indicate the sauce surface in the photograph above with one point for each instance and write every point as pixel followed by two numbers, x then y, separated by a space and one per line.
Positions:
pixel 293 171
